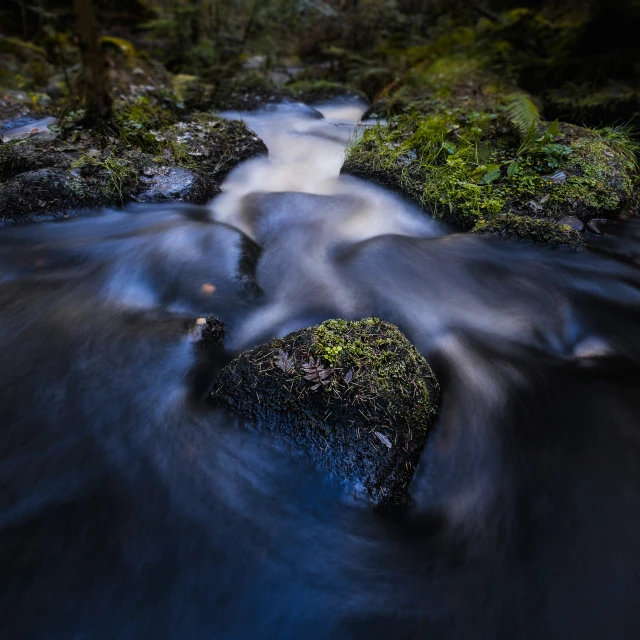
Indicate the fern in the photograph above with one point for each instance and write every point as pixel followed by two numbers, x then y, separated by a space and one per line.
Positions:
pixel 523 115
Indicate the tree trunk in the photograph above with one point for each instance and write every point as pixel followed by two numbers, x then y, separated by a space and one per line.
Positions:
pixel 96 94
pixel 204 19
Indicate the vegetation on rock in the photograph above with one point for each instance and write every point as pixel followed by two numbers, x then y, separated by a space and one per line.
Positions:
pixel 82 168
pixel 470 166
pixel 470 146
pixel 355 397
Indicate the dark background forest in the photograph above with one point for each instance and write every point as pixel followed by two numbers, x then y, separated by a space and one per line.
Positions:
pixel 580 58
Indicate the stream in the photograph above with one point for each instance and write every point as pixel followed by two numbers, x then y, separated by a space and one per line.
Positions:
pixel 131 509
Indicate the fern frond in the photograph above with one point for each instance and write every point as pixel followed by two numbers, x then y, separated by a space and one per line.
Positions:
pixel 523 114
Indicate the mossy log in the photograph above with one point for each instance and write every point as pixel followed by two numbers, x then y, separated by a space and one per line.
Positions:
pixel 354 397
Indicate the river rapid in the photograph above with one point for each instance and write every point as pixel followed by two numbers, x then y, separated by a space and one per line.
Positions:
pixel 131 509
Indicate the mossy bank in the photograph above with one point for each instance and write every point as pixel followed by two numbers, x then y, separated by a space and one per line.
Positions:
pixel 354 397
pixel 474 168
pixel 147 157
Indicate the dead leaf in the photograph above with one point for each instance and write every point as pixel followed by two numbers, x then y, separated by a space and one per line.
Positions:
pixel 349 376
pixel 284 361
pixel 316 372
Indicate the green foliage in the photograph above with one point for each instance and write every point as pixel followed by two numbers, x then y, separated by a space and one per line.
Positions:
pixel 523 114
pixel 468 168
pixel 120 175
pixel 120 44
pixel 136 120
pixel 622 140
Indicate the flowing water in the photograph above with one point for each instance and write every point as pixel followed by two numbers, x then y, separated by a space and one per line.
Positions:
pixel 130 509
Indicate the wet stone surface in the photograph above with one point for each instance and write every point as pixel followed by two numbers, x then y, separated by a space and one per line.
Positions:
pixel 44 176
pixel 355 398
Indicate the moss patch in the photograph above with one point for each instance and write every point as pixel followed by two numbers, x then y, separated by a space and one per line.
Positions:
pixel 533 230
pixel 356 397
pixel 470 164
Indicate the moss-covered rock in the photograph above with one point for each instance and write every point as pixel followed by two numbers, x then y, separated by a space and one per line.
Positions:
pixel 210 147
pixel 464 159
pixel 310 91
pixel 32 154
pixel 532 230
pixel 185 161
pixel 355 397
pixel 44 192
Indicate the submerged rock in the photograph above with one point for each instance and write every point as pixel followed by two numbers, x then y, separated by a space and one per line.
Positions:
pixel 354 397
pixel 208 333
pixel 597 226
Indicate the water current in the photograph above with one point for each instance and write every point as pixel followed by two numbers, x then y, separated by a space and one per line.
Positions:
pixel 131 509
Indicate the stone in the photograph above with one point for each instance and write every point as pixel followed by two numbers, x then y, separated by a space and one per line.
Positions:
pixel 355 398
pixel 572 221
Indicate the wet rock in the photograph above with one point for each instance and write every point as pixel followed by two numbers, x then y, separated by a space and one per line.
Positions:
pixel 531 230
pixel 186 162
pixel 167 183
pixel 30 155
pixel 247 91
pixel 45 192
pixel 597 226
pixel 356 398
pixel 559 177
pixel 209 334
pixel 573 222
pixel 210 147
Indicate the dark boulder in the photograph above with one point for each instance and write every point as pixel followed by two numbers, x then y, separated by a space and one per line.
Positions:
pixel 183 162
pixel 354 397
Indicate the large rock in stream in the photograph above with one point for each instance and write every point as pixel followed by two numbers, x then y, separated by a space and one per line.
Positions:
pixel 354 397
pixel 185 161
pixel 472 149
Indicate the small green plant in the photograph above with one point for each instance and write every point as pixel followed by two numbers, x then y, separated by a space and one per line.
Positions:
pixel 622 139
pixel 118 174
pixel 331 354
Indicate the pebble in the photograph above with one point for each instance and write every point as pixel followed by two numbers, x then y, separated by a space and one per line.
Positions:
pixel 571 221
pixel 597 225
pixel 559 177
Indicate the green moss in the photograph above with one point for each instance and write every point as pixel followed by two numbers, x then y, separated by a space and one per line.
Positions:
pixel 116 177
pixel 370 350
pixel 136 120
pixel 469 165
pixel 532 230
